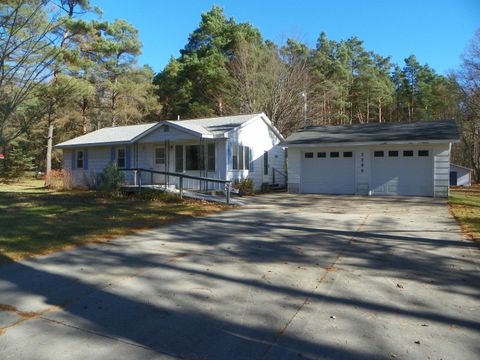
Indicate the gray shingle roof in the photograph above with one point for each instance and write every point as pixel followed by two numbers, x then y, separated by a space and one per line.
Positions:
pixel 439 130
pixel 216 125
pixel 212 127
pixel 108 135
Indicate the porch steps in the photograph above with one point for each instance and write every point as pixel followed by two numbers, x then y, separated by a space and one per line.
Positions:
pixel 277 188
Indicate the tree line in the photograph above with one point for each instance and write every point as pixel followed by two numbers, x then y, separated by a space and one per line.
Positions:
pixel 65 72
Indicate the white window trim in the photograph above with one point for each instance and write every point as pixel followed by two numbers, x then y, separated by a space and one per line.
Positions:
pixel 124 158
pixel 155 155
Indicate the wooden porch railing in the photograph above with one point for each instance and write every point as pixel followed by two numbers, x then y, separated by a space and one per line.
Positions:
pixel 137 177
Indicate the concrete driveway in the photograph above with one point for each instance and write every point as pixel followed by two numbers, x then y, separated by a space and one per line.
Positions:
pixel 285 277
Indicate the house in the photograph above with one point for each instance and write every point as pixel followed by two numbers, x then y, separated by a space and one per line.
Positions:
pixel 228 148
pixel 460 175
pixel 372 159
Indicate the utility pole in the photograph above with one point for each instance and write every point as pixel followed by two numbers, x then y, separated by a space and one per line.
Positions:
pixel 304 95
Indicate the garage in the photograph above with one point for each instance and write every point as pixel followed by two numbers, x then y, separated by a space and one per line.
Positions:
pixel 398 159
pixel 402 172
pixel 328 172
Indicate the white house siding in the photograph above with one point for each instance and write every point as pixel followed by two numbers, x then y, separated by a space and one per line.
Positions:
pixel 98 159
pixel 441 177
pixel 427 176
pixel 294 169
pixel 259 137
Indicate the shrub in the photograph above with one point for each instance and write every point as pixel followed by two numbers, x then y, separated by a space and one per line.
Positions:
pixel 155 195
pixel 244 186
pixel 110 180
pixel 16 163
pixel 59 180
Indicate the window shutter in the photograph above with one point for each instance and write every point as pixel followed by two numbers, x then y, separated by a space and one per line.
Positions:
pixel 85 159
pixel 127 157
pixel 112 154
pixel 251 159
pixel 229 156
pixel 74 159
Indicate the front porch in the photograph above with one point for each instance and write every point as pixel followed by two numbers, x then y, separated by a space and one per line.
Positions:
pixel 172 151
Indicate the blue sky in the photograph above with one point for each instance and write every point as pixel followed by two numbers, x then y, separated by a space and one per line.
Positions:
pixel 436 31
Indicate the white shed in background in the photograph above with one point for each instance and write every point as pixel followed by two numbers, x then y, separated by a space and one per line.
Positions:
pixel 460 175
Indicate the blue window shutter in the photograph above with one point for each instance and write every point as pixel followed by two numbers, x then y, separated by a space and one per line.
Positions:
pixel 112 154
pixel 74 159
pixel 229 156
pixel 127 157
pixel 251 160
pixel 85 159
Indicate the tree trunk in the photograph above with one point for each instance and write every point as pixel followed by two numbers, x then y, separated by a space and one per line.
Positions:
pixel 379 110
pixel 84 116
pixel 368 110
pixel 49 145
pixel 51 114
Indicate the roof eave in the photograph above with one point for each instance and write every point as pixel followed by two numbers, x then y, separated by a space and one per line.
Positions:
pixel 265 118
pixel 366 143
pixel 110 143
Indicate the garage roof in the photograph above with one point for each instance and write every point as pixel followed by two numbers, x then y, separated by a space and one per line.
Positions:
pixel 420 131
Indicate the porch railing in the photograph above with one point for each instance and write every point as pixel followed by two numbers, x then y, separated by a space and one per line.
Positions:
pixel 180 181
pixel 278 175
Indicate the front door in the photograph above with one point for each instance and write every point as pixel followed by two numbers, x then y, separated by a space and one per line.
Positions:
pixel 159 161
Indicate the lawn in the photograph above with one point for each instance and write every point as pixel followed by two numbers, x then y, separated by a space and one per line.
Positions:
pixel 35 220
pixel 465 207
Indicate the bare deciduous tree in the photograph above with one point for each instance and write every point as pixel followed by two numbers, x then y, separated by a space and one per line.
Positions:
pixel 468 78
pixel 263 80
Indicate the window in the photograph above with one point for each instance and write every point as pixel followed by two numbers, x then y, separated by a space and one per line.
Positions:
pixel 334 154
pixel 308 155
pixel 211 157
pixel 407 153
pixel 422 152
pixel 378 154
pixel 265 162
pixel 160 156
pixel 193 158
pixel 121 158
pixel 321 154
pixel 347 154
pixel 241 163
pixel 80 159
pixel 179 158
pixel 393 153
pixel 247 157
pixel 235 157
pixel 241 157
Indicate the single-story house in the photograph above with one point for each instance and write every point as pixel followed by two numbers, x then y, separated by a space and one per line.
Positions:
pixel 227 148
pixel 372 159
pixel 460 175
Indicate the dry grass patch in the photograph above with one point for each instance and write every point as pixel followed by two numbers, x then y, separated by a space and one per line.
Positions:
pixel 35 220
pixel 465 207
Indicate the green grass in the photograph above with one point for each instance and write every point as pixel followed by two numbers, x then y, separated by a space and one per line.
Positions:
pixel 35 220
pixel 465 207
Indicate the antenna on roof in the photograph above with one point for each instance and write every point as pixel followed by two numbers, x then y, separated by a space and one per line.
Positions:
pixel 304 95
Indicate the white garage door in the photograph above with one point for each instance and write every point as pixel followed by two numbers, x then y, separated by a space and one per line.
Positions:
pixel 402 172
pixel 328 172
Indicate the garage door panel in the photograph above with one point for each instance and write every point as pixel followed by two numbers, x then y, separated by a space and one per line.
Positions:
pixel 328 175
pixel 402 176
